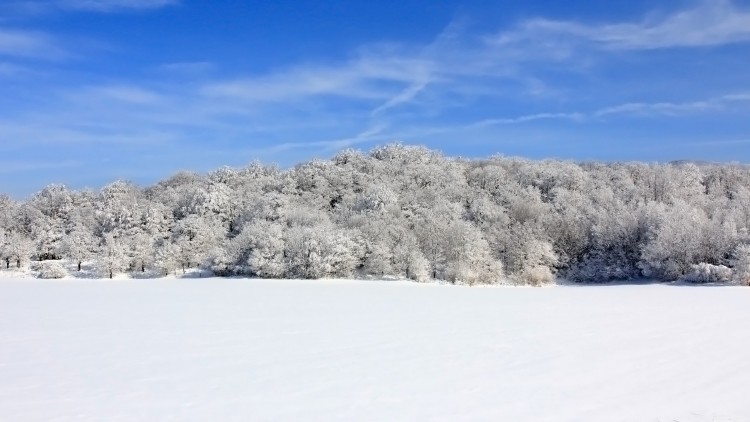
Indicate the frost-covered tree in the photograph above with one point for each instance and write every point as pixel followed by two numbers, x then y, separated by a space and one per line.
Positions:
pixel 741 264
pixel 320 251
pixel 166 258
pixel 684 236
pixel 112 258
pixel 140 250
pixel 194 238
pixel 404 211
pixel 79 245
pixel 17 248
pixel 266 257
pixel 539 261
pixel 52 207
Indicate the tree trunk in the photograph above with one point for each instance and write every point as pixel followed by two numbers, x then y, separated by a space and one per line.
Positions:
pixel 143 267
pixel 110 274
pixel 79 266
pixel 18 263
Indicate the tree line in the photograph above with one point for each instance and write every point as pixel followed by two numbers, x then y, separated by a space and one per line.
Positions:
pixel 402 211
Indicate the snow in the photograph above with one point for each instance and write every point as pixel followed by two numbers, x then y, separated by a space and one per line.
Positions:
pixel 239 350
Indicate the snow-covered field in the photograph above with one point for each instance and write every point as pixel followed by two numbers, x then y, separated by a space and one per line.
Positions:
pixel 247 350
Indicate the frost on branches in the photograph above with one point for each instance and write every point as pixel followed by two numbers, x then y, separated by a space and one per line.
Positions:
pixel 405 212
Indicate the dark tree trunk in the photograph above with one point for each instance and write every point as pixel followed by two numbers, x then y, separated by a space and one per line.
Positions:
pixel 79 266
pixel 18 263
pixel 143 267
pixel 110 274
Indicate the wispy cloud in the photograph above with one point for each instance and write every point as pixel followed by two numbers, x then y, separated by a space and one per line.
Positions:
pixel 658 109
pixel 456 68
pixel 641 109
pixel 127 94
pixel 368 135
pixel 198 68
pixel 377 93
pixel 712 22
pixel 674 108
pixel 365 77
pixel 113 5
pixel 29 44
pixel 10 69
pixel 11 9
pixel 9 167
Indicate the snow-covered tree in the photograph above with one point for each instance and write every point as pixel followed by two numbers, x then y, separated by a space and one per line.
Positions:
pixel 266 257
pixel 140 250
pixel 166 257
pixel 194 238
pixel 404 211
pixel 79 245
pixel 112 258
pixel 18 248
pixel 741 264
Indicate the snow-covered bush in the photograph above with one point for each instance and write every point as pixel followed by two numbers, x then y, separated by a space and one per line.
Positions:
pixel 708 273
pixel 50 270
pixel 266 257
pixel 321 251
pixel 418 268
pixel 536 276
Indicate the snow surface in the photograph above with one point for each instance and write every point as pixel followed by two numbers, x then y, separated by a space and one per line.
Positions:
pixel 241 350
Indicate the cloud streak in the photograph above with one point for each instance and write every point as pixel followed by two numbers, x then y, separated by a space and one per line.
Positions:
pixel 113 5
pixel 365 77
pixel 29 44
pixel 712 23
pixel 642 110
pixel 27 8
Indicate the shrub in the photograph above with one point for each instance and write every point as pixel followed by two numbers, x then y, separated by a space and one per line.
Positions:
pixel 537 276
pixel 708 273
pixel 51 270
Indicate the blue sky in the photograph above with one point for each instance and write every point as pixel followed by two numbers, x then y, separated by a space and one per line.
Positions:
pixel 96 90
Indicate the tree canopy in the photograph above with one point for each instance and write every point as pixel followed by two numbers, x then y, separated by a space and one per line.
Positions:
pixel 404 211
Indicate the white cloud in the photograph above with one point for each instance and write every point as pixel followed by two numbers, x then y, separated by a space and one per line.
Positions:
pixel 659 109
pixel 529 118
pixel 28 44
pixel 368 135
pixel 40 7
pixel 711 23
pixel 10 69
pixel 197 68
pixel 113 5
pixel 10 167
pixel 362 78
pixel 674 108
pixel 380 93
pixel 127 94
pixel 640 109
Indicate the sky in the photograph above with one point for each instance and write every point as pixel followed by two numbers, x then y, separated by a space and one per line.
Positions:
pixel 92 91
